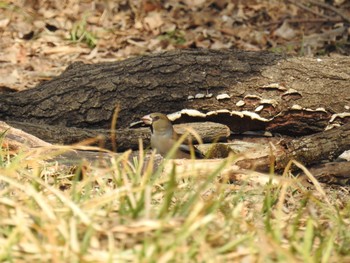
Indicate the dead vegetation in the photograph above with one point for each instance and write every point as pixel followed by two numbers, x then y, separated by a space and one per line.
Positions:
pixel 39 39
pixel 120 211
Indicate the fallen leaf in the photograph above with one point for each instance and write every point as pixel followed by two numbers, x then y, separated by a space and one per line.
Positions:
pixel 4 22
pixel 194 3
pixel 153 20
pixel 285 31
pixel 9 79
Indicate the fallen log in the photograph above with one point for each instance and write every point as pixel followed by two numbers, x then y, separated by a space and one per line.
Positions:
pixel 243 90
pixel 300 97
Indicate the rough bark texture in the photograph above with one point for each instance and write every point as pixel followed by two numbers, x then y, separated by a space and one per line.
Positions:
pixel 288 95
pixel 308 150
pixel 333 172
pixel 326 145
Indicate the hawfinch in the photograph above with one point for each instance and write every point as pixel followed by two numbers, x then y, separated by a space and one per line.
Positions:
pixel 164 137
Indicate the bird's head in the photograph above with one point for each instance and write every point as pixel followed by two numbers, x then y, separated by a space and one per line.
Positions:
pixel 158 121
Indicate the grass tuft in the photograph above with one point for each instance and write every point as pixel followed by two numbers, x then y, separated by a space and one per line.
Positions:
pixel 127 210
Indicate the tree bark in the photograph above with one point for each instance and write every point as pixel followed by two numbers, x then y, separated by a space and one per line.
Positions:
pixel 308 150
pixel 244 90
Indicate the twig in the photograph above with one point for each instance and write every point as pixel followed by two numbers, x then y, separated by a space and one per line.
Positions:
pixel 315 20
pixel 309 9
pixel 332 8
pixel 306 20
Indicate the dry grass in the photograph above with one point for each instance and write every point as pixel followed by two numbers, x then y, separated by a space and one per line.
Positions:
pixel 122 212
pixel 119 212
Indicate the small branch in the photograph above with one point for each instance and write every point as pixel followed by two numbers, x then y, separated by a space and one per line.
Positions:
pixel 314 20
pixel 333 172
pixel 332 8
pixel 18 140
pixel 309 10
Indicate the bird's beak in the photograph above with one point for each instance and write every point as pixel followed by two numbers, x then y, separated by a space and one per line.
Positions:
pixel 147 119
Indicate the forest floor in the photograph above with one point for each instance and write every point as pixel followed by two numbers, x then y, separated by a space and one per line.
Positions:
pixel 119 212
pixel 39 39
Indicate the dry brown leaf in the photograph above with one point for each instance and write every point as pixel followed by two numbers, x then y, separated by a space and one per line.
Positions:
pixel 285 31
pixel 4 22
pixel 65 50
pixel 153 21
pixel 9 79
pixel 194 3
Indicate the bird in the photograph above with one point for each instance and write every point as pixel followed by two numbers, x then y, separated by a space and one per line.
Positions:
pixel 164 138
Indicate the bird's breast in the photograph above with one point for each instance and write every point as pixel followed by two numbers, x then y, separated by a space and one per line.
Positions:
pixel 162 144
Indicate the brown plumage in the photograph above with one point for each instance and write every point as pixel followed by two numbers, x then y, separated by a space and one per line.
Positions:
pixel 164 137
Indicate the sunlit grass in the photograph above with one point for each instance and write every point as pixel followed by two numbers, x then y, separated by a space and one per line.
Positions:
pixel 81 33
pixel 126 211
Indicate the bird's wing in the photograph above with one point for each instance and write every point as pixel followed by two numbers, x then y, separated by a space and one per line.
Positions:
pixel 187 145
pixel 188 149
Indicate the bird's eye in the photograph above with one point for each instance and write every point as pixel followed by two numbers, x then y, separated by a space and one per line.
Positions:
pixel 155 118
